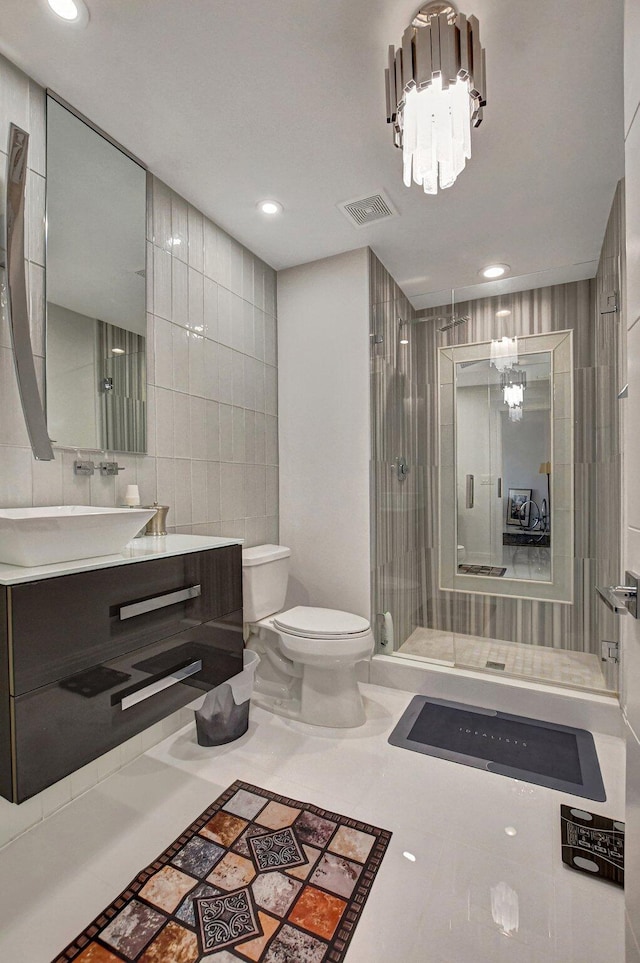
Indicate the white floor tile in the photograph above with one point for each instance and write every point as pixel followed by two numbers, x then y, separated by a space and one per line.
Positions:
pixel 471 893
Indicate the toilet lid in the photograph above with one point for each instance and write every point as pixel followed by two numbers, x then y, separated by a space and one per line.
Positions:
pixel 315 623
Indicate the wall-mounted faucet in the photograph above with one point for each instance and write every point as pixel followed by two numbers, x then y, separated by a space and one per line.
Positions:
pixel 110 468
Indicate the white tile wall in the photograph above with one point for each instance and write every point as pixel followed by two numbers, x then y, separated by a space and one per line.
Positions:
pixel 210 303
pixel 631 628
pixel 211 365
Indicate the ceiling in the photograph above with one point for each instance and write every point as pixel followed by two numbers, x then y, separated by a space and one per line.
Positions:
pixel 231 103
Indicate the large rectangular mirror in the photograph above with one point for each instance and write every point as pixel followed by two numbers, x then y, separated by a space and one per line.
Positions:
pixel 96 289
pixel 506 454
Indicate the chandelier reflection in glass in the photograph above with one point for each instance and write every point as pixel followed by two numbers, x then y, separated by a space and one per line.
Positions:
pixel 513 383
pixel 435 85
pixel 504 353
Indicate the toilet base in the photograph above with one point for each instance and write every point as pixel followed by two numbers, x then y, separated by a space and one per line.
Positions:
pixel 328 698
pixel 331 697
pixel 324 695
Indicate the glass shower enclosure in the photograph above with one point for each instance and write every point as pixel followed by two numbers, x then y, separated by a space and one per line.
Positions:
pixel 495 480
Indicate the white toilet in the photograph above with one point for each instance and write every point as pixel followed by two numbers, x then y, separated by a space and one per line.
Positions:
pixel 308 655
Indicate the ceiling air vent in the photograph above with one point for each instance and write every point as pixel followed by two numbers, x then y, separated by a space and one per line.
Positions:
pixel 366 210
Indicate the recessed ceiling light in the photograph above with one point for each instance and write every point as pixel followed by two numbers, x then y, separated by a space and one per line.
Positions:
pixel 404 341
pixel 410 857
pixel 511 831
pixel 117 351
pixel 270 207
pixel 503 314
pixel 71 11
pixel 494 270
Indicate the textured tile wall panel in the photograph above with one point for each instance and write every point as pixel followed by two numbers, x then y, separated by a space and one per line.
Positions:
pixel 206 295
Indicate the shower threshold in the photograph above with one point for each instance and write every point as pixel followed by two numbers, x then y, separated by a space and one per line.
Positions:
pixel 539 663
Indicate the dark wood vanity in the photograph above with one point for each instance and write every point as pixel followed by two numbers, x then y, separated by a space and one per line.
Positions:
pixel 89 659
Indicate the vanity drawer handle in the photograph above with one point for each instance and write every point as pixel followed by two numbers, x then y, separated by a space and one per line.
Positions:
pixel 159 602
pixel 154 687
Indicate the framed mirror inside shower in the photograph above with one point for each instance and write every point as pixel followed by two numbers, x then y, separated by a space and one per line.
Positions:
pixel 506 467
pixel 96 290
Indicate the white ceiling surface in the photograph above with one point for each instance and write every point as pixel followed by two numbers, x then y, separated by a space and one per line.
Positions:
pixel 233 102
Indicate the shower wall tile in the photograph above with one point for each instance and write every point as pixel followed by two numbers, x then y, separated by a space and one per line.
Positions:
pixel 211 303
pixel 398 534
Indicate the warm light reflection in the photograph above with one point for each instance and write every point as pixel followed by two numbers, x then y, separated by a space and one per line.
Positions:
pixel 504 353
pixel 505 908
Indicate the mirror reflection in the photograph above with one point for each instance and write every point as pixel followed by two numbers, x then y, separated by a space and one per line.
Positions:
pixel 96 310
pixel 506 446
pixel 503 437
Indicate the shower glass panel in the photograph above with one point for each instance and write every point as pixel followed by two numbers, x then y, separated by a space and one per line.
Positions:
pixel 556 640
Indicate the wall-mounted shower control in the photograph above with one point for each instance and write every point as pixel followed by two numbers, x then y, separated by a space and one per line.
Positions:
pixel 401 468
pixel 83 467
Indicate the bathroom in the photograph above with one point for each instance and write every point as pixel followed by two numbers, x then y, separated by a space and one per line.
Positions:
pixel 300 381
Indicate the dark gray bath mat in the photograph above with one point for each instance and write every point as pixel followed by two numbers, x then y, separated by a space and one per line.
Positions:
pixel 542 753
pixel 496 571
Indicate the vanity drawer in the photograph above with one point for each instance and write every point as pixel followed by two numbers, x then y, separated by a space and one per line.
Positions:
pixel 63 625
pixel 64 725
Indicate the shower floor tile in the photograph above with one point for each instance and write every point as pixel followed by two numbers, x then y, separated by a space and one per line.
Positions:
pixel 542 663
pixel 474 892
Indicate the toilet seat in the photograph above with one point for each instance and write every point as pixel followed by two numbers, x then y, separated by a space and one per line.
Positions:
pixel 331 625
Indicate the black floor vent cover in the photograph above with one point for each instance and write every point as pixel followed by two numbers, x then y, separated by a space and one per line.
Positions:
pixel 542 753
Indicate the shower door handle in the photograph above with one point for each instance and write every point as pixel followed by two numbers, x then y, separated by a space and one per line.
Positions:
pixel 621 599
pixel 470 490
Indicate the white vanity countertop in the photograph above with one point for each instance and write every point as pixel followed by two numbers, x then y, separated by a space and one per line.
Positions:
pixel 138 550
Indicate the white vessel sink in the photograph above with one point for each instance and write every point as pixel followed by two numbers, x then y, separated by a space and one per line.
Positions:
pixel 62 533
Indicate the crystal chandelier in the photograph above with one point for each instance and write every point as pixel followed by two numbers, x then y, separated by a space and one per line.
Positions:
pixel 435 85
pixel 513 384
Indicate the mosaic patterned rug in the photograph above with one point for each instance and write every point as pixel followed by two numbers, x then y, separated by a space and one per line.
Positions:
pixel 257 877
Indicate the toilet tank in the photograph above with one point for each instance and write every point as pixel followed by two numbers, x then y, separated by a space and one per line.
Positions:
pixel 265 572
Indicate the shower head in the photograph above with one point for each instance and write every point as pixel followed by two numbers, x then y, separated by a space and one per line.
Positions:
pixel 452 321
